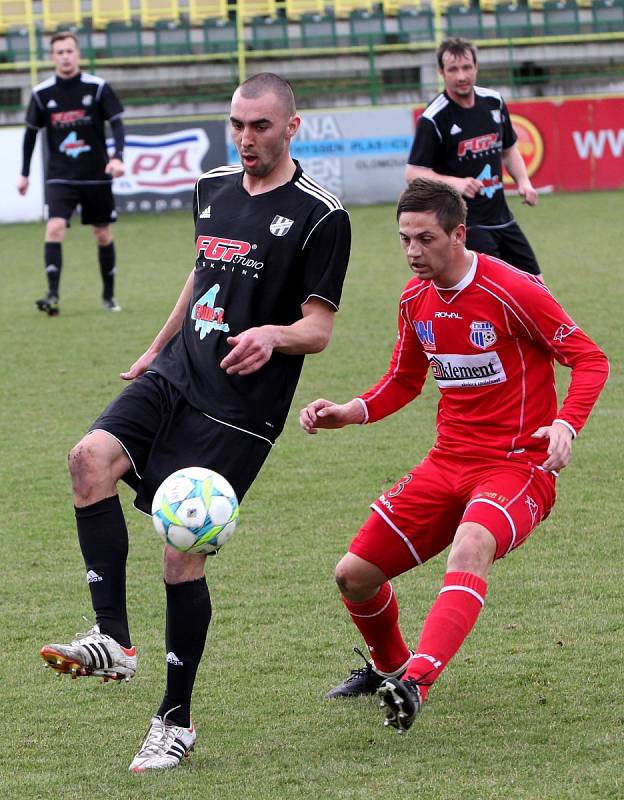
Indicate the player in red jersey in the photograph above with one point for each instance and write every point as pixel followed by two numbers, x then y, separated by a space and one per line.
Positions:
pixel 489 333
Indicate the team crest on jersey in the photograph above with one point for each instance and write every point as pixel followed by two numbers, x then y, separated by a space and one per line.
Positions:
pixel 87 100
pixel 482 335
pixel 51 103
pixel 496 115
pixel 424 331
pixel 280 225
pixel 208 317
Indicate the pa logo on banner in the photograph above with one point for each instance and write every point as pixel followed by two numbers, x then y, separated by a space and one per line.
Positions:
pixel 164 164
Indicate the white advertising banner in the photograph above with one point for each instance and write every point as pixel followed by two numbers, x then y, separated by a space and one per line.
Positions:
pixel 13 206
pixel 360 156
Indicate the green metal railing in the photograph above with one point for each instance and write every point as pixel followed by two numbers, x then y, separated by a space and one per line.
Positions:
pixel 240 58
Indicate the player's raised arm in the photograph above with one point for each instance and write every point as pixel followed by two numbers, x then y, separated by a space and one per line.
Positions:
pixel 168 330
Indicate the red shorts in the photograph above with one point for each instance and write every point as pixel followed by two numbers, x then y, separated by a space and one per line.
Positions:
pixel 419 516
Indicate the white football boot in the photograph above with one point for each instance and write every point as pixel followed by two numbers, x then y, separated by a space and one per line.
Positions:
pixel 164 745
pixel 92 653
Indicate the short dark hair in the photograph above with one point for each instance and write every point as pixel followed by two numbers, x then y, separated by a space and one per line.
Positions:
pixel 265 82
pixel 424 195
pixel 457 47
pixel 60 35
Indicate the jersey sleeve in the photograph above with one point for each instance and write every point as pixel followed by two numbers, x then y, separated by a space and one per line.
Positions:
pixel 405 376
pixel 326 255
pixel 34 114
pixel 425 144
pixel 549 325
pixel 509 135
pixel 109 102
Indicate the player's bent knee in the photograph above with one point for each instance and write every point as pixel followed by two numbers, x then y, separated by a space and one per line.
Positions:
pixel 357 579
pixel 182 567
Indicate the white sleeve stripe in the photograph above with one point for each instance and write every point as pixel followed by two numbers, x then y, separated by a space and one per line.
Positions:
pixel 566 425
pixel 365 407
pixel 305 178
pixel 320 297
pixel 332 205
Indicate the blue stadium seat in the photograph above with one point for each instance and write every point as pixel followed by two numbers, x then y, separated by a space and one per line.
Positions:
pixel 219 35
pixel 415 24
pixel 512 20
pixel 561 18
pixel 366 27
pixel 172 38
pixel 318 30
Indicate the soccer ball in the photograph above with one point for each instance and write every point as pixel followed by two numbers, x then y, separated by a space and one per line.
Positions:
pixel 195 510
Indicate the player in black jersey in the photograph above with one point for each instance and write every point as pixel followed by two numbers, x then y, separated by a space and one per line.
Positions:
pixel 464 136
pixel 73 107
pixel 213 389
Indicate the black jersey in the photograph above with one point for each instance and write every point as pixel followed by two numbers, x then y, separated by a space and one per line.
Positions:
pixel 468 143
pixel 73 112
pixel 258 260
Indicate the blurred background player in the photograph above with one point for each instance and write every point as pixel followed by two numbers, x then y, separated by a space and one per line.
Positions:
pixel 463 138
pixel 212 390
pixel 489 333
pixel 73 107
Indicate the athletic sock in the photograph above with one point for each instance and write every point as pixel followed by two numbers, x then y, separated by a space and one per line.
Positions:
pixel 106 257
pixel 447 625
pixel 103 538
pixel 377 620
pixel 53 264
pixel 188 617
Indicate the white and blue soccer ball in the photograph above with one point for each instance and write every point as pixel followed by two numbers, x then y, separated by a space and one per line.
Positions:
pixel 195 510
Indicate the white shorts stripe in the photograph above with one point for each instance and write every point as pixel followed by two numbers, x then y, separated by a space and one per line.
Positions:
pixel 504 512
pixel 391 524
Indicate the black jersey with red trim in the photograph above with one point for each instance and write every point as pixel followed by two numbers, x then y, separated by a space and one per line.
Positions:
pixel 468 143
pixel 73 112
pixel 258 260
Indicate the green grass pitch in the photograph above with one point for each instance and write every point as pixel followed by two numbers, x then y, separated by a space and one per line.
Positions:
pixel 532 705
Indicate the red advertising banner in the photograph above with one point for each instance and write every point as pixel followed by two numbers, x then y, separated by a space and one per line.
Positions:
pixel 570 145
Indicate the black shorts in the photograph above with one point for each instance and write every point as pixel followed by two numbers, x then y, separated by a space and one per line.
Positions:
pixel 507 243
pixel 96 201
pixel 162 433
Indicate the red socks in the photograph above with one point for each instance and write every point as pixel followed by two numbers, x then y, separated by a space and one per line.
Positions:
pixel 377 620
pixel 447 625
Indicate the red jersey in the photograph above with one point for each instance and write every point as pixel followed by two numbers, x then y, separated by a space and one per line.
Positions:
pixel 490 344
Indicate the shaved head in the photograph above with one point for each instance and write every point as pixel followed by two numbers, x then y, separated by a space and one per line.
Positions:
pixel 265 83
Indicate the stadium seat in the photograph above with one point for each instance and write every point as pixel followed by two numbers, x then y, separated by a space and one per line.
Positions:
pixel 105 11
pixel 256 8
pixel 269 33
pixel 366 27
pixel 608 16
pixel 391 8
pixel 512 21
pixel 153 11
pixel 201 10
pixel 415 24
pixel 123 39
pixel 219 35
pixel 172 38
pixel 15 14
pixel 61 14
pixel 343 8
pixel 18 44
pixel 464 21
pixel 561 18
pixel 318 30
pixel 295 9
